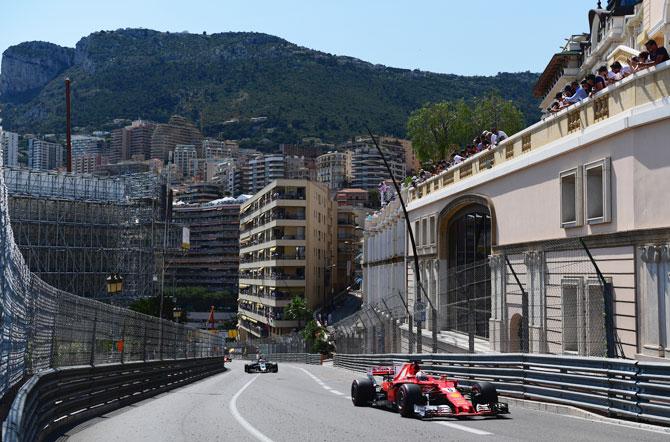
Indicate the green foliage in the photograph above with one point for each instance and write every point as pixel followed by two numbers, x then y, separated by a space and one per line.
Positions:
pixel 297 310
pixel 151 307
pixel 315 335
pixel 214 78
pixel 199 299
pixel 438 129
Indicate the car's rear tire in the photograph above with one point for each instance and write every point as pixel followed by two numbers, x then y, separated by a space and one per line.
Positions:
pixel 484 393
pixel 408 395
pixel 275 369
pixel 362 392
pixel 246 368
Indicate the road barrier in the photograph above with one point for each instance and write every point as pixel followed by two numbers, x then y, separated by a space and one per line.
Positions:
pixel 620 388
pixel 59 398
pixel 303 358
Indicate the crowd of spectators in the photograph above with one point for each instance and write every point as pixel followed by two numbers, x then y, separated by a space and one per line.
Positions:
pixel 487 140
pixel 572 93
pixel 577 91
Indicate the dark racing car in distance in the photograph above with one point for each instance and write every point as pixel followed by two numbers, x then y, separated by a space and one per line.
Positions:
pixel 261 366
pixel 413 393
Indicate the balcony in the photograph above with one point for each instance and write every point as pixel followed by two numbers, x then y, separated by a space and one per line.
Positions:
pixel 643 88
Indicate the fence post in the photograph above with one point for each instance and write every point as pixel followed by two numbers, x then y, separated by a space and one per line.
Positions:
pixel 93 337
pixel 123 340
pixel 144 343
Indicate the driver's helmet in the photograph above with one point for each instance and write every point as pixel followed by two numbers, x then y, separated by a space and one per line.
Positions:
pixel 421 376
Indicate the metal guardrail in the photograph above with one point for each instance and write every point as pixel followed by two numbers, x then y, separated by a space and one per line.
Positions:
pixel 621 388
pixel 56 399
pixel 303 358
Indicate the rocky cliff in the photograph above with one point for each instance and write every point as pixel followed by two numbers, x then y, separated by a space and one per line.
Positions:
pixel 30 66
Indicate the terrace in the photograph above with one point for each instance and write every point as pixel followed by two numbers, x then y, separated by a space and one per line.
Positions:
pixel 648 87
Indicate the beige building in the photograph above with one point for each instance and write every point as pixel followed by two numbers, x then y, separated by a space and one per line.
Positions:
pixel 287 248
pixel 333 169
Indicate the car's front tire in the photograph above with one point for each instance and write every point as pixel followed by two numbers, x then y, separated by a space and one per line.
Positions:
pixel 362 392
pixel 408 395
pixel 484 393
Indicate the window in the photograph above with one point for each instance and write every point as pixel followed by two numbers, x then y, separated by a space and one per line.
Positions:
pixel 417 239
pixel 583 317
pixel 597 191
pixel 432 230
pixel 571 198
pixel 569 293
pixel 424 232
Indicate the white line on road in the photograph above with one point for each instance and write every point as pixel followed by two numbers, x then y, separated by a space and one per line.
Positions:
pixel 464 428
pixel 242 421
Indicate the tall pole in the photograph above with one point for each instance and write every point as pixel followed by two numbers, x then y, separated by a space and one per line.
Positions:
pixel 68 126
pixel 417 275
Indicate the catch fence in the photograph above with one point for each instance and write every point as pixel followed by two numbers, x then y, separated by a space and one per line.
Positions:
pixel 42 327
pixel 556 297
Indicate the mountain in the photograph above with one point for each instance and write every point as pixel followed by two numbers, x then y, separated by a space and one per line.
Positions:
pixel 223 82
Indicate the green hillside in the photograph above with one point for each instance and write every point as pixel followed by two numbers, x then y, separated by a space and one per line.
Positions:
pixel 216 78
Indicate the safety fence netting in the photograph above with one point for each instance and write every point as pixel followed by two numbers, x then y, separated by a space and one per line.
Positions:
pixel 554 297
pixel 43 327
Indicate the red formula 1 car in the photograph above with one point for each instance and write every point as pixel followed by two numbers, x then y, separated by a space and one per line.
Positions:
pixel 415 394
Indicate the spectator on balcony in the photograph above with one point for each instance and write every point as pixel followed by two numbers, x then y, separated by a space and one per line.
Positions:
pixel 656 54
pixel 456 158
pixel 579 95
pixel 601 79
pixel 497 135
pixel 637 63
pixel 619 72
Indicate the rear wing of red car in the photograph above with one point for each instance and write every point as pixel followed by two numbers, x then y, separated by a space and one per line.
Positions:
pixel 382 371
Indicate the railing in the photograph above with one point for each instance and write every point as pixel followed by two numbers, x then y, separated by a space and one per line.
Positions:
pixel 641 88
pixel 57 399
pixel 614 387
pixel 304 358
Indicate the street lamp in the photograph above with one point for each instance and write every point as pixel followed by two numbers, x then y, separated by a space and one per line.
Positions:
pixel 114 284
pixel 176 314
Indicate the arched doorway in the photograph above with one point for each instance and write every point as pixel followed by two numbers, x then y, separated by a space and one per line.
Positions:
pixel 516 333
pixel 468 246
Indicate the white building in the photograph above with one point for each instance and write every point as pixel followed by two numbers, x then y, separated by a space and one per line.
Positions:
pixel 10 148
pixel 44 155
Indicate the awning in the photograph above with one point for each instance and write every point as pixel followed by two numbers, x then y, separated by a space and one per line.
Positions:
pixel 272 249
pixel 244 286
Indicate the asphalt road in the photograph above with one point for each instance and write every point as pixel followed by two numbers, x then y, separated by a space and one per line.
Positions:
pixel 311 403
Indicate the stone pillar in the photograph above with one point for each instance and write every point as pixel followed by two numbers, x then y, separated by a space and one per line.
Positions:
pixel 498 321
pixel 654 290
pixel 534 261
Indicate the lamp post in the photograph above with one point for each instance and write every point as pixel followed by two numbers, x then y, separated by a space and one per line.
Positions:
pixel 165 233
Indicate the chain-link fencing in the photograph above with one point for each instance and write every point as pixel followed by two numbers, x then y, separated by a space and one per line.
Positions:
pixel 555 297
pixel 42 327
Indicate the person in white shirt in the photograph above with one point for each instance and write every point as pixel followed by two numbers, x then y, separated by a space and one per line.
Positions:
pixel 497 135
pixel 618 72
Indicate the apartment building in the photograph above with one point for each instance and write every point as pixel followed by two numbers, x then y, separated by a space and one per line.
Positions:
pixel 166 137
pixel 132 142
pixel 185 157
pixel 333 169
pixel 367 166
pixel 213 257
pixel 44 155
pixel 9 141
pixel 288 248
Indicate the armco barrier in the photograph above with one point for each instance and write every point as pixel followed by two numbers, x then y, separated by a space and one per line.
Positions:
pixel 614 387
pixel 59 398
pixel 303 358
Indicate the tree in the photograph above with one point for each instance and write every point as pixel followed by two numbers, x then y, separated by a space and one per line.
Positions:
pixel 151 306
pixel 438 129
pixel 297 310
pixel 315 335
pixel 494 111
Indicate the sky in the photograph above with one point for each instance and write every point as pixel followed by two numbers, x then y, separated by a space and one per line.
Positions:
pixel 472 37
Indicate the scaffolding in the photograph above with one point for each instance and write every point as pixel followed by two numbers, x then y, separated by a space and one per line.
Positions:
pixel 74 230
